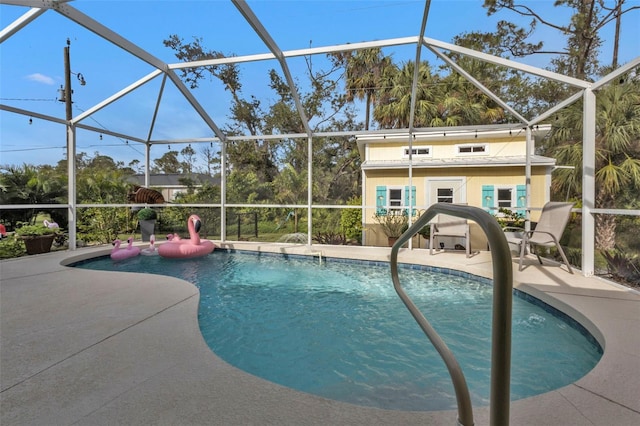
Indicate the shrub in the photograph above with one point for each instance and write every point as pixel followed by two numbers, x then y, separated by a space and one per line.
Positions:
pixel 623 267
pixel 35 230
pixel 330 238
pixel 508 218
pixel 11 247
pixel 351 220
pixel 393 224
pixel 147 214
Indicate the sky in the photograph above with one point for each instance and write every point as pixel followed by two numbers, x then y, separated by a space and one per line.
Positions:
pixel 32 66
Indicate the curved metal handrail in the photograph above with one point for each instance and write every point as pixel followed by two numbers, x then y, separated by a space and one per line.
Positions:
pixel 501 322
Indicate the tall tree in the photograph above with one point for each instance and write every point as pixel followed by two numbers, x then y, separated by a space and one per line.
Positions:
pixel 246 113
pixel 617 152
pixel 189 155
pixel 393 108
pixel 264 158
pixel 99 182
pixel 364 69
pixel 509 85
pixel 168 163
pixel 447 100
pixel 291 188
pixel 579 58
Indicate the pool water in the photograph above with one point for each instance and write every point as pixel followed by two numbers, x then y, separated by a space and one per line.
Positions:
pixel 340 331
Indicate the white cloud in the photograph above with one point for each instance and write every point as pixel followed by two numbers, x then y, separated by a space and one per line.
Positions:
pixel 41 78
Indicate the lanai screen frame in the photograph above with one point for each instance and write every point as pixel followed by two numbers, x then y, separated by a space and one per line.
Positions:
pixel 586 92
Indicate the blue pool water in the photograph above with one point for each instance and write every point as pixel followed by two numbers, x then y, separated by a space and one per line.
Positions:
pixel 340 331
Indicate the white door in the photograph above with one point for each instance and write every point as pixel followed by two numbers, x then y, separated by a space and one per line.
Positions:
pixel 449 190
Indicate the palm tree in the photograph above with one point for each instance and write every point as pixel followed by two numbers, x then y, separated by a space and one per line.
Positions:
pixel 617 152
pixel 393 106
pixel 440 101
pixel 364 71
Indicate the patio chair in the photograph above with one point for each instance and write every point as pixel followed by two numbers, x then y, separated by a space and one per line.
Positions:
pixel 548 231
pixel 450 226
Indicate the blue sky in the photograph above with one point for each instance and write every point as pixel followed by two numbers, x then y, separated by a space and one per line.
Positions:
pixel 32 60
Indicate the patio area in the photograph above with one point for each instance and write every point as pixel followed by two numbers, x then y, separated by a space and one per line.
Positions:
pixel 86 347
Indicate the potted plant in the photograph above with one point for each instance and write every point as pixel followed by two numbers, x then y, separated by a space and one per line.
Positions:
pixel 392 223
pixel 147 219
pixel 37 238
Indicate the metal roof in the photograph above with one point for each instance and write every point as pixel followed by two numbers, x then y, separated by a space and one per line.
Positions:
pixel 431 163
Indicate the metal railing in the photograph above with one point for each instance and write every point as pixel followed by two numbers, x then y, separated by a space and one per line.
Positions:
pixel 501 322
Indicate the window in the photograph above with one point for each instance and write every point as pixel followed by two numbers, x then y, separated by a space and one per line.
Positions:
pixel 505 197
pixel 477 149
pixel 495 197
pixel 394 199
pixel 445 195
pixel 422 151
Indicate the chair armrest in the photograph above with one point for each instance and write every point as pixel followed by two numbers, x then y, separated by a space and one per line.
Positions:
pixel 513 228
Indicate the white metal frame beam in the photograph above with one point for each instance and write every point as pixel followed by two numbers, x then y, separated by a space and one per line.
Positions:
pixel 588 182
pixel 477 84
pixel 144 80
pixel 507 63
pixel 19 23
pixel 262 32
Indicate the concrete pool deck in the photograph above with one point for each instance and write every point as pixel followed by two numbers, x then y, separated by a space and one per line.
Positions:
pixel 107 348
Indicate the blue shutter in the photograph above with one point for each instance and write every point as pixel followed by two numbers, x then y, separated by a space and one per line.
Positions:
pixel 487 198
pixel 381 200
pixel 413 199
pixel 521 198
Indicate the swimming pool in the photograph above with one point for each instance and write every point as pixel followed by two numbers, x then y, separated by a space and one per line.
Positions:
pixel 339 330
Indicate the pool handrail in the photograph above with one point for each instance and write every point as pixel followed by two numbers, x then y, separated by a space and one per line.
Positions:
pixel 502 312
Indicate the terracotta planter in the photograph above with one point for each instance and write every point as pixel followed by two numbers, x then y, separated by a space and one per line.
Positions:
pixel 39 244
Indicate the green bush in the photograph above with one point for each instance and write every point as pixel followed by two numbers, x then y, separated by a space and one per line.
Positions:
pixel 147 214
pixel 623 267
pixel 11 247
pixel 351 220
pixel 35 230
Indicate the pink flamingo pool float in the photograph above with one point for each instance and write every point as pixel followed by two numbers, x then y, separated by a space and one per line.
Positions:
pixel 193 247
pixel 50 224
pixel 152 250
pixel 124 253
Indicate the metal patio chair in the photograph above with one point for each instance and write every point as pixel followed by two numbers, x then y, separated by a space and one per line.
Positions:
pixel 549 229
pixel 450 226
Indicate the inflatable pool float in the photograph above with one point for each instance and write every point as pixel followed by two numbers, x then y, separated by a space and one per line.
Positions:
pixel 171 237
pixel 193 247
pixel 152 250
pixel 124 253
